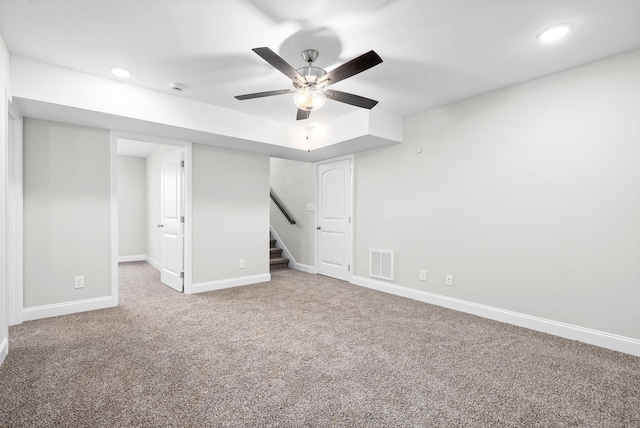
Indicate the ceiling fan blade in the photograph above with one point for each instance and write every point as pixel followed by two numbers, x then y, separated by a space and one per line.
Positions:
pixel 354 100
pixel 303 114
pixel 264 94
pixel 351 68
pixel 280 64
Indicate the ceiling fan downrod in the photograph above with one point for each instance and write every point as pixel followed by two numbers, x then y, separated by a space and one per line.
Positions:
pixel 310 73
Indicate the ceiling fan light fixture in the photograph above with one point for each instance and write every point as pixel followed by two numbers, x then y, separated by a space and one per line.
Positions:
pixel 309 99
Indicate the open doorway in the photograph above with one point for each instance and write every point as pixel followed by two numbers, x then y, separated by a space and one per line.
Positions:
pixel 153 206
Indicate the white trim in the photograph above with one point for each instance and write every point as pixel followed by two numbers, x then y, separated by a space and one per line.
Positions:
pixel 66 308
pixel 4 350
pixel 138 258
pixel 188 219
pixel 568 331
pixel 153 263
pixel 201 287
pixel 15 218
pixel 12 109
pixel 306 268
pixel 150 139
pixel 113 250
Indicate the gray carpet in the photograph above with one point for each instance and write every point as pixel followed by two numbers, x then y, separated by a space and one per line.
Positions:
pixel 303 350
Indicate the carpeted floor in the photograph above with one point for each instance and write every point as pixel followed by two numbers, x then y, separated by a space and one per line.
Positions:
pixel 303 350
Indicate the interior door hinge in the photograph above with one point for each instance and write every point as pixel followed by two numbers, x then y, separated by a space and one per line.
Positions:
pixel 349 219
pixel 182 219
pixel 182 275
pixel 349 268
pixel 182 164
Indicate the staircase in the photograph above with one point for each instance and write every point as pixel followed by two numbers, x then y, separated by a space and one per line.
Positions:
pixel 276 260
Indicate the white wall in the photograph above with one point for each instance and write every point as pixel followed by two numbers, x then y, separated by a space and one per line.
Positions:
pixel 529 196
pixel 4 85
pixel 293 183
pixel 132 219
pixel 230 214
pixel 35 80
pixel 66 213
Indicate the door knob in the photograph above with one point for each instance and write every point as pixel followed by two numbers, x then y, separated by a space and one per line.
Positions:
pixel 318 228
pixel 161 225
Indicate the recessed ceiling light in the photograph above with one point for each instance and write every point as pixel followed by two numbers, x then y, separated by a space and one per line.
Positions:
pixel 554 33
pixel 120 72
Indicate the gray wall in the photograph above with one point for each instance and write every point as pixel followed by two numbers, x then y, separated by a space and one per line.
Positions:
pixel 67 208
pixel 67 200
pixel 529 196
pixel 293 184
pixel 230 213
pixel 132 212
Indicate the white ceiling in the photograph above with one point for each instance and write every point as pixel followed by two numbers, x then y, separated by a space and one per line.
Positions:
pixel 435 51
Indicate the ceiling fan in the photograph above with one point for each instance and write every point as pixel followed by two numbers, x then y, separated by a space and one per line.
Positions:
pixel 310 83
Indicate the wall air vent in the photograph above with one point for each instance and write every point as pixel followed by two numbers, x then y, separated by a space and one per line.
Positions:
pixel 381 264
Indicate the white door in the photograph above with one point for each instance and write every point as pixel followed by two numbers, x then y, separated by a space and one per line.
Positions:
pixel 334 219
pixel 171 226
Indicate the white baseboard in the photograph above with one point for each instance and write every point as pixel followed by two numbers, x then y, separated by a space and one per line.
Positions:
pixel 138 258
pixel 153 263
pixel 4 350
pixel 66 308
pixel 305 268
pixel 568 331
pixel 201 287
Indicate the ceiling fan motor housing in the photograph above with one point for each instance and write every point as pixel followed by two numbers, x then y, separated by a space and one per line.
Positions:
pixel 309 55
pixel 310 74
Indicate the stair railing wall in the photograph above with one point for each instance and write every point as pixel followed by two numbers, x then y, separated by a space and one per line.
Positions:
pixel 281 207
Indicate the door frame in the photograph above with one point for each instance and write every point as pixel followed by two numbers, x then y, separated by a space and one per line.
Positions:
pixel 15 224
pixel 187 186
pixel 317 164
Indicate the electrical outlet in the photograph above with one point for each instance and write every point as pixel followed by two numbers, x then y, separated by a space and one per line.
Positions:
pixel 78 282
pixel 448 280
pixel 423 275
pixel 242 265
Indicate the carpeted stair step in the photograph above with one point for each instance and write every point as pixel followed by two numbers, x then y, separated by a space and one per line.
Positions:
pixel 276 261
pixel 279 263
pixel 275 253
